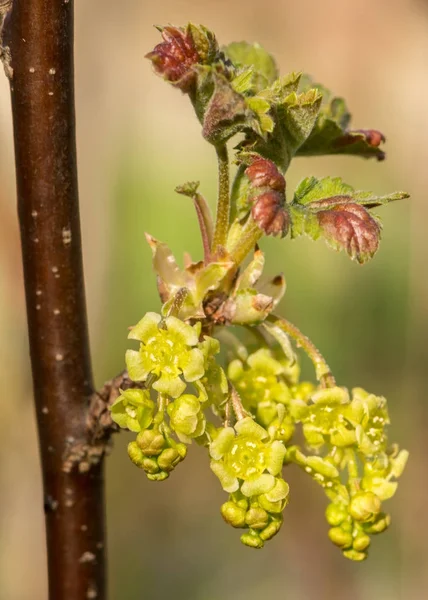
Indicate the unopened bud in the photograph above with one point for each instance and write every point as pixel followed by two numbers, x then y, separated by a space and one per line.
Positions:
pixel 233 514
pixel 256 518
pixel 150 465
pixel 340 538
pixel 355 555
pixel 364 507
pixel 135 454
pixel 151 442
pixel 382 522
pixel 252 539
pixel 169 459
pixel 361 542
pixel 271 530
pixel 335 514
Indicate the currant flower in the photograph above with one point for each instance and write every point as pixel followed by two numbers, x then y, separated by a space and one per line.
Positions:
pixel 245 458
pixel 186 417
pixel 133 410
pixel 259 379
pixel 324 420
pixel 368 414
pixel 169 351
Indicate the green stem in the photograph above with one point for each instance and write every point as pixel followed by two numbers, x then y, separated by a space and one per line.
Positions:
pixel 353 472
pixel 223 206
pixel 250 235
pixel 322 370
pixel 235 190
pixel 237 405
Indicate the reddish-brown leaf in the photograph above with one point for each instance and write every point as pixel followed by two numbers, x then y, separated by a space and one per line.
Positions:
pixel 352 227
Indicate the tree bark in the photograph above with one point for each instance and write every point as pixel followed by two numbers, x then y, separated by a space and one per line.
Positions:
pixel 38 45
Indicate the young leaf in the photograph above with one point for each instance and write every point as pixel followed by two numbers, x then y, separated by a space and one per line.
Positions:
pixel 294 117
pixel 181 50
pixel 332 209
pixel 331 133
pixel 244 55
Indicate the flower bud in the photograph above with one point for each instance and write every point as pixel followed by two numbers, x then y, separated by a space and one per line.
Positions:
pixel 252 539
pixel 361 542
pixel 382 522
pixel 161 476
pixel 335 514
pixel 233 514
pixel 135 454
pixel 364 507
pixel 256 518
pixel 150 465
pixel 340 538
pixel 169 459
pixel 355 555
pixel 151 442
pixel 271 530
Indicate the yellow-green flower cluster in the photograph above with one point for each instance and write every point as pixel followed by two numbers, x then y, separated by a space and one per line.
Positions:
pixel 248 464
pixel 264 385
pixel 345 446
pixel 169 360
pixel 348 435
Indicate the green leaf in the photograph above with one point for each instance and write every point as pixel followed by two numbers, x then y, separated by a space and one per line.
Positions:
pixel 332 209
pixel 331 133
pixel 243 82
pixel 281 88
pixel 294 117
pixel 244 55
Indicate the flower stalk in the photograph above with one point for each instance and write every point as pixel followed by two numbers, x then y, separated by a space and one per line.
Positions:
pixel 223 204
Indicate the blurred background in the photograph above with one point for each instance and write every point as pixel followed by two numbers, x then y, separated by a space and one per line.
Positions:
pixel 137 140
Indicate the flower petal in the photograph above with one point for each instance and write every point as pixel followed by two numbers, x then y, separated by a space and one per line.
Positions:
pixel 256 487
pixel 280 491
pixel 221 444
pixel 275 459
pixel 186 333
pixel 137 397
pixel 173 386
pixel 193 365
pixel 228 481
pixel 119 415
pixel 135 367
pixel 146 328
pixel 250 428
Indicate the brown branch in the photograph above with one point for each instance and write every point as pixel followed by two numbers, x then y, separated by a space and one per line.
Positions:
pixel 38 56
pixel 99 424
